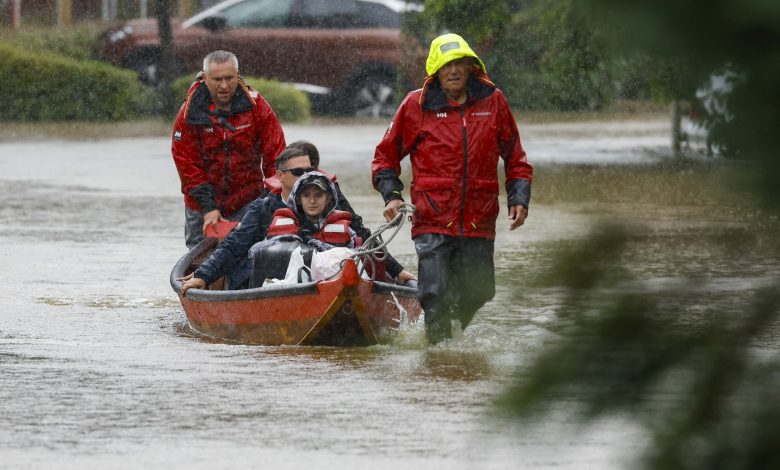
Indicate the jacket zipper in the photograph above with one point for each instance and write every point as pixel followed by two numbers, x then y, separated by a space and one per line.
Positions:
pixel 465 168
pixel 227 172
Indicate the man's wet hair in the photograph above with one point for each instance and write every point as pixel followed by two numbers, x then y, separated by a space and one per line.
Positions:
pixel 287 154
pixel 309 149
pixel 219 57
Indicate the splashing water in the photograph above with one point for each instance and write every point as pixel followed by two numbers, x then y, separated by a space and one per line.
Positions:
pixel 408 335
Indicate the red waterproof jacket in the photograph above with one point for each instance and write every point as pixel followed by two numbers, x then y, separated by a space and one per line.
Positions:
pixel 222 157
pixel 454 151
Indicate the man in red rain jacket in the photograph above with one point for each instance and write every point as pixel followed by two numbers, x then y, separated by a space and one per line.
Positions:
pixel 225 140
pixel 455 129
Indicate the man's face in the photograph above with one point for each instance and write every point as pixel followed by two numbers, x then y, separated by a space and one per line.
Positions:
pixel 222 81
pixel 454 76
pixel 313 201
pixel 286 177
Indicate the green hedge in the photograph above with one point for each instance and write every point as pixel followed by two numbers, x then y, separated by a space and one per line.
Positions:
pixel 42 86
pixel 289 104
pixel 76 42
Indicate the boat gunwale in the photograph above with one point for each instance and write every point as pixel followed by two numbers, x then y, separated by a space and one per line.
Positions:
pixel 283 290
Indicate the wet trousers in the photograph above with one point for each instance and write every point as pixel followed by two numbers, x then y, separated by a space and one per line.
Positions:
pixel 455 278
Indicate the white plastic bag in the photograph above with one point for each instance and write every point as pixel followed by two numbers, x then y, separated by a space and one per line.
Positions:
pixel 325 264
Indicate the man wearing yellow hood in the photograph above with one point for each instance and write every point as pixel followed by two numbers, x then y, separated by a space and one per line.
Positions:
pixel 454 128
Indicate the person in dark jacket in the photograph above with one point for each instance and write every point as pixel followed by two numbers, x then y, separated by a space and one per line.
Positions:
pixel 394 268
pixel 225 140
pixel 231 256
pixel 313 216
pixel 455 128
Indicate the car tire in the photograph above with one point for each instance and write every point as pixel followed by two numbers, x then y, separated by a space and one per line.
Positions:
pixel 146 64
pixel 372 94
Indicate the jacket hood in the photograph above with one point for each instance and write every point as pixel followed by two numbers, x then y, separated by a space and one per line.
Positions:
pixel 447 48
pixel 433 98
pixel 322 181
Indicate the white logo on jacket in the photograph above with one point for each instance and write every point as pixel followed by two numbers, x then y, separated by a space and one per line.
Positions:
pixel 441 115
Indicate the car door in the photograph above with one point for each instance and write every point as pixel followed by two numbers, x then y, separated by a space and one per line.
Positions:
pixel 317 41
pixel 254 30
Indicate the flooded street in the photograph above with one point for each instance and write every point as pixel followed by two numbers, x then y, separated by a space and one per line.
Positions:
pixel 99 368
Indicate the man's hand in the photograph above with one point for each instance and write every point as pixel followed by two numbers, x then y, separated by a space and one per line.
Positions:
pixel 405 276
pixel 391 209
pixel 190 282
pixel 212 218
pixel 517 215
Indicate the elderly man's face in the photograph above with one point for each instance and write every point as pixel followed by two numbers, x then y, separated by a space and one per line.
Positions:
pixel 454 76
pixel 222 81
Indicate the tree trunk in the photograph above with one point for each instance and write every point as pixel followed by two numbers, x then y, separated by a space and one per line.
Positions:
pixel 167 58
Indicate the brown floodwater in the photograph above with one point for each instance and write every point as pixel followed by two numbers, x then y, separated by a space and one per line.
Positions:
pixel 100 369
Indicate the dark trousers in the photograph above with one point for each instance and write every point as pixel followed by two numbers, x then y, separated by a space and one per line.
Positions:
pixel 455 278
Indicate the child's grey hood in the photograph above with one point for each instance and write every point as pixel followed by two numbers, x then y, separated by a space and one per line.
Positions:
pixel 301 183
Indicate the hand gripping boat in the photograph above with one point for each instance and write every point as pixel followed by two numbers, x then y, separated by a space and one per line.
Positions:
pixel 346 310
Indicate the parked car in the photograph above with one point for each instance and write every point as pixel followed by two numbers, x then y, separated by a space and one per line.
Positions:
pixel 348 51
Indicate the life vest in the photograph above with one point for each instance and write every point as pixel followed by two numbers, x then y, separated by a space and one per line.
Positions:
pixel 335 230
pixel 283 223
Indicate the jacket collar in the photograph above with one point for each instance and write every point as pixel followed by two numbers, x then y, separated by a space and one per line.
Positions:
pixel 433 98
pixel 200 108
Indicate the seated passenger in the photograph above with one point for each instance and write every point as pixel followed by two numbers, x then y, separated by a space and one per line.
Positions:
pixel 274 186
pixel 311 221
pixel 231 256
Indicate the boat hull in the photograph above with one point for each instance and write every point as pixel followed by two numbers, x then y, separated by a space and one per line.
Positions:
pixel 347 310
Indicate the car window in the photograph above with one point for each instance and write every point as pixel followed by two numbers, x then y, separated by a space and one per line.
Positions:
pixel 258 13
pixel 325 14
pixel 374 15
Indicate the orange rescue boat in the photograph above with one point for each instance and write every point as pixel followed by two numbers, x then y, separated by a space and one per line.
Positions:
pixel 347 310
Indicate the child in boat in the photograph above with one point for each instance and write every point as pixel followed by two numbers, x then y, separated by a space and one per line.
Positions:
pixel 310 221
pixel 311 215
pixel 230 257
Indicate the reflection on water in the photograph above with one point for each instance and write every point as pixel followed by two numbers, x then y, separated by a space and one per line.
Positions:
pixel 99 368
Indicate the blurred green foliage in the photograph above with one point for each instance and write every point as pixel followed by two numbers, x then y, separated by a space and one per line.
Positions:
pixel 693 365
pixel 289 104
pixel 44 86
pixel 76 42
pixel 544 54
pixel 696 360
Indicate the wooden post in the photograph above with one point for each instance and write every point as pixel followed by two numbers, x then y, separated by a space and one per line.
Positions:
pixel 676 129
pixel 186 8
pixel 16 14
pixel 64 13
